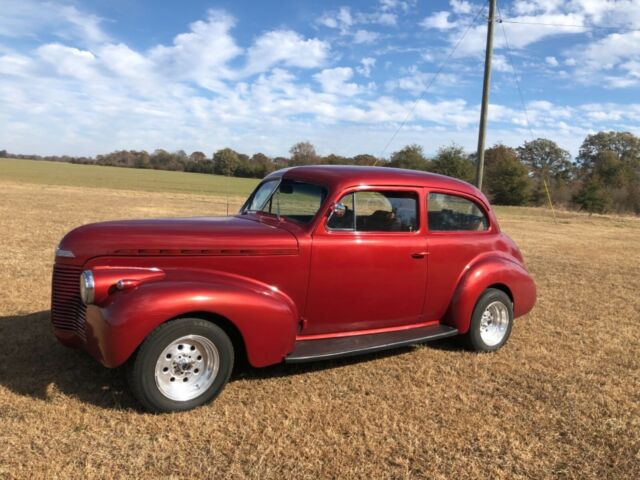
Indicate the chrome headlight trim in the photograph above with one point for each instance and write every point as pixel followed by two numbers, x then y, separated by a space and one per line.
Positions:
pixel 60 252
pixel 87 287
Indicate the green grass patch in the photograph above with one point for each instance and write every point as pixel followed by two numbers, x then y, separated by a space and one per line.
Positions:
pixel 58 173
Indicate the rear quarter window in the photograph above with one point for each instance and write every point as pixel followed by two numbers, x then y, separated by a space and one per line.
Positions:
pixel 450 213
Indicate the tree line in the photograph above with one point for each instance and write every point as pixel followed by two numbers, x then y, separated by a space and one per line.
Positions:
pixel 604 177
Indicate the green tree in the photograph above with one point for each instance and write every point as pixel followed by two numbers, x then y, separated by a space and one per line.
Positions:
pixel 454 162
pixel 549 163
pixel 506 178
pixel 610 169
pixel 335 160
pixel 281 162
pixel 593 197
pixel 411 157
pixel 257 166
pixel 545 159
pixel 225 162
pixel 162 160
pixel 365 160
pixel 611 160
pixel 197 156
pixel 263 164
pixel 625 145
pixel 142 160
pixel 303 153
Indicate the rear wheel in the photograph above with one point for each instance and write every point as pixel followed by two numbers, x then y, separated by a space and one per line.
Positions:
pixel 181 365
pixel 491 321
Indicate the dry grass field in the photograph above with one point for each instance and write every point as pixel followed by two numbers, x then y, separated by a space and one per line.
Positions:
pixel 561 400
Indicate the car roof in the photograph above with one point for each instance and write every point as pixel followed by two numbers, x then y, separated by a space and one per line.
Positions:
pixel 343 176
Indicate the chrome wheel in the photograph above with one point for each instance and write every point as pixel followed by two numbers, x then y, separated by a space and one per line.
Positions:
pixel 494 323
pixel 187 367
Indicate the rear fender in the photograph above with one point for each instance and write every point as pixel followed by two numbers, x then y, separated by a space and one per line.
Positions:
pixel 266 318
pixel 487 272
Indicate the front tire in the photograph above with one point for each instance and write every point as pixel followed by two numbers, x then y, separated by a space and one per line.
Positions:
pixel 491 321
pixel 181 365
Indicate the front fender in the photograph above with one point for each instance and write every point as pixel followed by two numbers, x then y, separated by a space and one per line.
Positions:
pixel 266 319
pixel 483 274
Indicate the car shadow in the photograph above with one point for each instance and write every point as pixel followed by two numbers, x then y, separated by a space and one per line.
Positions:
pixel 37 365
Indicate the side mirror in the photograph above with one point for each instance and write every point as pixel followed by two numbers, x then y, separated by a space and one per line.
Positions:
pixel 339 209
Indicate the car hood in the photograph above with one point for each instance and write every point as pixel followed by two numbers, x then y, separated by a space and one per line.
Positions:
pixel 178 236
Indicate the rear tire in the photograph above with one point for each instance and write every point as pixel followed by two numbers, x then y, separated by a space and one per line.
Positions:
pixel 181 365
pixel 491 321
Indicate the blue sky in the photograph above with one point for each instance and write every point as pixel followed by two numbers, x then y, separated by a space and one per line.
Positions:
pixel 84 78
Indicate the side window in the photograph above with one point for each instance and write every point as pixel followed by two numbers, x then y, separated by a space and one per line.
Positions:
pixel 454 213
pixel 377 211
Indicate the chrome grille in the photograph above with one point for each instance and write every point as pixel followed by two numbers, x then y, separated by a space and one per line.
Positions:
pixel 67 309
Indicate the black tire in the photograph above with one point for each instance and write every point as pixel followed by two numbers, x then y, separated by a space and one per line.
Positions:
pixel 141 369
pixel 473 338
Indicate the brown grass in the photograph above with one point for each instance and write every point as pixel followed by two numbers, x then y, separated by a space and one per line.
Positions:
pixel 562 399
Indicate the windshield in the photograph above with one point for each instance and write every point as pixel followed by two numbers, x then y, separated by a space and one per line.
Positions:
pixel 298 201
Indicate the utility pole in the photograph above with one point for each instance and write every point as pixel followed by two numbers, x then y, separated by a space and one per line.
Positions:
pixel 485 94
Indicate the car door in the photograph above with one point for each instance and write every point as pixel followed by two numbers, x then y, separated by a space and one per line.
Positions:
pixel 368 265
pixel 458 231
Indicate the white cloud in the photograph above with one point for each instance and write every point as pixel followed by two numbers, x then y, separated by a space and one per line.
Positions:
pixel 381 18
pixel 612 49
pixel 340 19
pixel 617 55
pixel 123 61
pixel 200 55
pixel 366 64
pixel 402 6
pixel 500 64
pixel 15 64
pixel 520 35
pixel 439 21
pixel 416 82
pixel 552 61
pixel 87 25
pixel 288 48
pixel 530 16
pixel 85 93
pixel 344 19
pixel 69 61
pixel 460 6
pixel 365 36
pixel 28 17
pixel 335 80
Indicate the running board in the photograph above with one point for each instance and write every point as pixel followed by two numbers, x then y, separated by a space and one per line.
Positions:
pixel 328 348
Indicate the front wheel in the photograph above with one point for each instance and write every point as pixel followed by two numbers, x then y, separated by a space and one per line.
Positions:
pixel 491 321
pixel 181 365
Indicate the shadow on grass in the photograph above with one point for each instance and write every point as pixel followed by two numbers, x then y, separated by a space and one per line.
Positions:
pixel 37 365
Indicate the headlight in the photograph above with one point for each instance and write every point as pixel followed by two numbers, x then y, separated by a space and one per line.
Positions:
pixel 87 287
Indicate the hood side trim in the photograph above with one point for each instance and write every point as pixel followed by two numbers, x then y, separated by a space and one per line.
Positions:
pixel 209 252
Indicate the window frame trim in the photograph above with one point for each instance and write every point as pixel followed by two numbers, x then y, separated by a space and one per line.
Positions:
pixel 476 201
pixel 416 190
pixel 313 221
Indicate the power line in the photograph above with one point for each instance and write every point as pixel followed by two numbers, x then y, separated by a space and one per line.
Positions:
pixel 516 76
pixel 569 25
pixel 524 105
pixel 433 78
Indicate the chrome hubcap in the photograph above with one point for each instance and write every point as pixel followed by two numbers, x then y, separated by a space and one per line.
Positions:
pixel 494 323
pixel 187 367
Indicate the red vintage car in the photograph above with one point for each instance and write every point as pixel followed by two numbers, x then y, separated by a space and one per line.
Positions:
pixel 321 262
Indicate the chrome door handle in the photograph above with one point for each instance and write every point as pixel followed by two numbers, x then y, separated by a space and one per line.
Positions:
pixel 419 254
